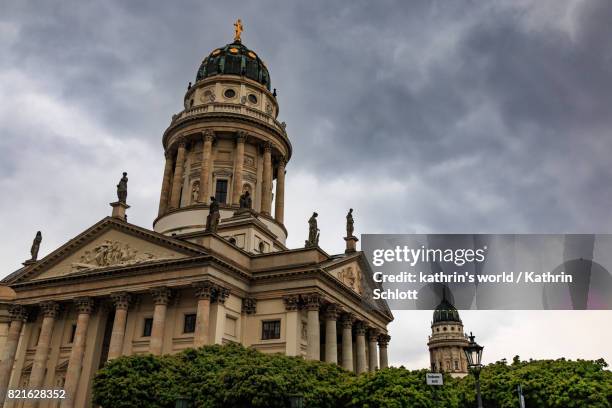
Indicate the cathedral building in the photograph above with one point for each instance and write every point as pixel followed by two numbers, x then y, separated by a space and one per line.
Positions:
pixel 447 341
pixel 215 268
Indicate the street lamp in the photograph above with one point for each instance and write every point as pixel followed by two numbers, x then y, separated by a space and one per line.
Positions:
pixel 473 352
pixel 296 401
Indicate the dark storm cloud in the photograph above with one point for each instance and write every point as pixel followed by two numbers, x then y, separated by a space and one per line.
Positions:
pixel 500 112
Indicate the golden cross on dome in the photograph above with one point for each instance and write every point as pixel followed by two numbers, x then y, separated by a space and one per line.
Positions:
pixel 237 30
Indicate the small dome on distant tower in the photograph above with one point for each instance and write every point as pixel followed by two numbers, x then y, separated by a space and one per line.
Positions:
pixel 235 59
pixel 446 312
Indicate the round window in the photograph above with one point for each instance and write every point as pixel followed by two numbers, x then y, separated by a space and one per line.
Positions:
pixel 229 93
pixel 252 98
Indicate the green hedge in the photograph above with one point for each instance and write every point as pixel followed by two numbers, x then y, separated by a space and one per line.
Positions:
pixel 236 377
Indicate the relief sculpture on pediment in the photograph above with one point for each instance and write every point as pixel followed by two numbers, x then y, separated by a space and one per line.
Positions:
pixel 111 253
pixel 351 277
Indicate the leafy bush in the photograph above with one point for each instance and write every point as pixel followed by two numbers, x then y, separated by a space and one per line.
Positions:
pixel 546 383
pixel 399 388
pixel 236 377
pixel 218 376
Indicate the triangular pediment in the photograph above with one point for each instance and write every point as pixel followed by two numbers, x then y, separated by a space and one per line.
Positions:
pixel 108 244
pixel 354 272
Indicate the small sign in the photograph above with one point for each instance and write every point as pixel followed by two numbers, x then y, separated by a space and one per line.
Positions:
pixel 434 379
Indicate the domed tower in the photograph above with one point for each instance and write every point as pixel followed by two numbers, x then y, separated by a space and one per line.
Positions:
pixel 227 141
pixel 447 340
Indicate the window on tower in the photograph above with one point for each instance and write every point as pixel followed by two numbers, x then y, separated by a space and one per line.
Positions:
pixel 221 191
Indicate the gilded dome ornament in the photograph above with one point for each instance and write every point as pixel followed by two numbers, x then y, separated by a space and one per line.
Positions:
pixel 237 30
pixel 234 59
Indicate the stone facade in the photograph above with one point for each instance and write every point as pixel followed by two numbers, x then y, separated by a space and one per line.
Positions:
pixel 120 289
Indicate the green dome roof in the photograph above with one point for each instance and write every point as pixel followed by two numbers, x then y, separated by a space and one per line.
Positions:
pixel 446 312
pixel 234 59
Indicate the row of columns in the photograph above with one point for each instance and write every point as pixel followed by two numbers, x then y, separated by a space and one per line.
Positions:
pixel 312 303
pixel 205 291
pixel 174 171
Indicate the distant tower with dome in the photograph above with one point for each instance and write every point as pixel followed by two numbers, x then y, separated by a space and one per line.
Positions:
pixel 447 340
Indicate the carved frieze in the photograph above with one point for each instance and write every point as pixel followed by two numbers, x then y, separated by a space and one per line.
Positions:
pixel 351 277
pixel 112 253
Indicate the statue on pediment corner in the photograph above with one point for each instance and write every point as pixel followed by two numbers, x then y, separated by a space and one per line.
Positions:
pixel 122 189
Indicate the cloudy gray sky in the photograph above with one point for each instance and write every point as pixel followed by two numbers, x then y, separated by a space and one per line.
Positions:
pixel 423 116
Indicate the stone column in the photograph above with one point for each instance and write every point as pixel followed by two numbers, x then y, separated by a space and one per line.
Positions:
pixel 122 303
pixel 203 293
pixel 331 345
pixel 383 342
pixel 293 337
pixel 37 376
pixel 220 295
pixel 206 165
pixel 360 330
pixel 279 205
pixel 165 190
pixel 313 302
pixel 18 315
pixel 238 167
pixel 373 351
pixel 266 186
pixel 84 308
pixel 347 342
pixel 177 182
pixel 161 296
pixel 247 308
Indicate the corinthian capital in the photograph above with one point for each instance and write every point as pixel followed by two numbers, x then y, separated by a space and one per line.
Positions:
pixel 312 301
pixel 49 309
pixel 209 135
pixel 292 302
pixel 241 136
pixel 122 300
pixel 84 305
pixel 18 312
pixel 383 340
pixel 161 296
pixel 203 290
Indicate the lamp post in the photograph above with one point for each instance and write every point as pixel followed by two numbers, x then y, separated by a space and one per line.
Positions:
pixel 473 352
pixel 296 401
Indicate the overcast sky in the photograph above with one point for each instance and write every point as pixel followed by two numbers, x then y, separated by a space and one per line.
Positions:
pixel 423 116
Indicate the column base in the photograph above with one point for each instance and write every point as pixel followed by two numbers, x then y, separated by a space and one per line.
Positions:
pixel 351 244
pixel 119 210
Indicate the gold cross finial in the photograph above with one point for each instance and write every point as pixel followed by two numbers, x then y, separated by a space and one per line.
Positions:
pixel 237 30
